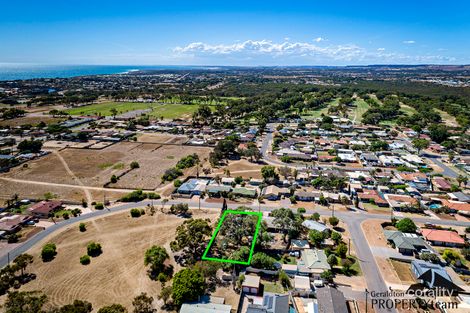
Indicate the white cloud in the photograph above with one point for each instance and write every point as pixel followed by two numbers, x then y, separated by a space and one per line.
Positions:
pixel 409 42
pixel 267 51
pixel 319 39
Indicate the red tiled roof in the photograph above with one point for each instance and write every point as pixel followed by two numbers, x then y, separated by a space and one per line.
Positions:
pixel 456 205
pixel 44 207
pixel 442 236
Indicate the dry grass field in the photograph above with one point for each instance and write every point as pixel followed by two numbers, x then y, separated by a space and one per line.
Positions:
pixel 243 168
pixel 118 274
pixel 30 120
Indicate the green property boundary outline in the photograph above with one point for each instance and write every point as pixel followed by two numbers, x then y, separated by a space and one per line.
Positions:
pixel 258 224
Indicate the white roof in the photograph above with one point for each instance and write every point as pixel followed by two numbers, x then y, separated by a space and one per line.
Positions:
pixel 302 282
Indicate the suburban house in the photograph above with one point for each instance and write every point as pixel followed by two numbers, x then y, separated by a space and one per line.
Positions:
pixel 397 202
pixel 12 223
pixel 251 284
pixel 314 225
pixel 272 303
pixel 272 192
pixel 193 187
pixel 302 284
pixel 44 208
pixel 459 196
pixel 405 243
pixel 307 196
pixel 442 184
pixel 244 192
pixel 298 244
pixel 312 262
pixel 331 300
pixel 441 237
pixel 215 190
pixel 205 308
pixel 432 275
pixel 370 195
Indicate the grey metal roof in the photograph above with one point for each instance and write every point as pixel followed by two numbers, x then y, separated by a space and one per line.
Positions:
pixel 331 300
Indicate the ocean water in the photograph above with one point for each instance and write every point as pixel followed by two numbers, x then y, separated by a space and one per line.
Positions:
pixel 10 71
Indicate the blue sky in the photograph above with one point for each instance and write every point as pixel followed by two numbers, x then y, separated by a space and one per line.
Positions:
pixel 242 33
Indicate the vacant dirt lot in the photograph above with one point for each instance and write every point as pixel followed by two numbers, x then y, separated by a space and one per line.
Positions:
pixel 374 233
pixel 117 275
pixel 30 120
pixel 243 168
pixel 162 138
pixel 95 167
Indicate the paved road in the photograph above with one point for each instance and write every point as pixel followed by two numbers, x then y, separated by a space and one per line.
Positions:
pixel 353 220
pixel 447 171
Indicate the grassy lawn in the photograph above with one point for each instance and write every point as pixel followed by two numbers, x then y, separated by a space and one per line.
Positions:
pixel 167 110
pixel 359 110
pixel 285 259
pixel 317 113
pixel 273 287
pixel 407 109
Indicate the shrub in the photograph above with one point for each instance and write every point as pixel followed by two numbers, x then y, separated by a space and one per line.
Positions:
pixel 82 227
pixel 333 221
pixel 177 183
pixel 263 261
pixel 315 216
pixel 406 225
pixel 341 250
pixel 48 252
pixel 113 179
pixel 332 260
pixel 99 206
pixel 301 210
pixel 134 196
pixel 135 213
pixel 171 174
pixel 238 180
pixel 153 195
pixel 94 249
pixel 134 165
pixel 66 215
pixel 85 259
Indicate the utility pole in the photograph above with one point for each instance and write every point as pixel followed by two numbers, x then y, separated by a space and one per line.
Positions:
pixel 349 246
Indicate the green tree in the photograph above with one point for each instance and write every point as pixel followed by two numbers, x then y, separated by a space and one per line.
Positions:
pixel 22 261
pixel 191 237
pixel 286 220
pixel 462 179
pixel 113 308
pixel 25 301
pixel 333 221
pixel 78 306
pixel 94 249
pixel 420 144
pixel 332 260
pixel 82 227
pixel 336 237
pixel 165 294
pixel 315 216
pixel 134 165
pixel 269 173
pixel 406 225
pixel 341 250
pixel 143 303
pixel 49 251
pixel 85 259
pixel 316 237
pixel 263 261
pixel 188 285
pixel 284 279
pixel 156 257
pixel 327 276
